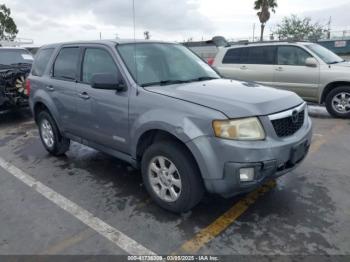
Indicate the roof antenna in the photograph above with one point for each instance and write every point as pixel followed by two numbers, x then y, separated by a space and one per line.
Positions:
pixel 133 16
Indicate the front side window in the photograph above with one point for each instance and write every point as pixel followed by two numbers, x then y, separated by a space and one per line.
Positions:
pixel 41 61
pixel 162 63
pixel 15 56
pixel 96 61
pixel 66 63
pixel 292 55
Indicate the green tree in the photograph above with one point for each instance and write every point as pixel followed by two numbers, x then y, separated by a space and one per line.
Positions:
pixel 264 7
pixel 297 28
pixel 8 28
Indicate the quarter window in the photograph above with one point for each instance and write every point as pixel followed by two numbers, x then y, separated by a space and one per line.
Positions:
pixel 292 55
pixel 41 61
pixel 233 56
pixel 66 63
pixel 97 61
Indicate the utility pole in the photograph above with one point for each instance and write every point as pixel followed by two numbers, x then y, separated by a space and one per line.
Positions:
pixel 329 28
pixel 100 35
pixel 253 32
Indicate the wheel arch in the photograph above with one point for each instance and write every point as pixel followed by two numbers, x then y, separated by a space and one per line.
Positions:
pixel 329 87
pixel 40 105
pixel 152 136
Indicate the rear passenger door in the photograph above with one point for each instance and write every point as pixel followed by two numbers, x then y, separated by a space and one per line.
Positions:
pixel 249 64
pixel 102 114
pixel 62 86
pixel 292 74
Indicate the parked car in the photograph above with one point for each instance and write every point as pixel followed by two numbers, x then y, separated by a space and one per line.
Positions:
pixel 310 70
pixel 161 108
pixel 15 65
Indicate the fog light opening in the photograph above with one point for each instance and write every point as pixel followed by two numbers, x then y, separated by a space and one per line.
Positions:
pixel 246 174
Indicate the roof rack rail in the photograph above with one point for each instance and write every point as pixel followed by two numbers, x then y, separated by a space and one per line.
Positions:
pixel 267 42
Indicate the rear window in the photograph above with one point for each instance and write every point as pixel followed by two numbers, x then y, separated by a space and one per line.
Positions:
pixel 41 61
pixel 66 64
pixel 15 56
pixel 263 55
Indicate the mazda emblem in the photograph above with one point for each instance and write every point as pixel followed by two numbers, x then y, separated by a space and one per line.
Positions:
pixel 295 116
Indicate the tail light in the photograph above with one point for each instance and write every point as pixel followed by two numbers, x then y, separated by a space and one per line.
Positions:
pixel 210 61
pixel 27 89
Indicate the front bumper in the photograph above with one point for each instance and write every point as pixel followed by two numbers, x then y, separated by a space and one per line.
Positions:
pixel 220 160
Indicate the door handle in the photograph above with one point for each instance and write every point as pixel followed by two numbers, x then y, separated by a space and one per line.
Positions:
pixel 279 69
pixel 84 95
pixel 243 67
pixel 50 88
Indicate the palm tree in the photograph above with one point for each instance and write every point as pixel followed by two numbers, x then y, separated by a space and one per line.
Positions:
pixel 264 7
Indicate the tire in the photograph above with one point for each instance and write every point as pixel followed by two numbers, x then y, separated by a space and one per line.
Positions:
pixel 191 184
pixel 337 93
pixel 57 145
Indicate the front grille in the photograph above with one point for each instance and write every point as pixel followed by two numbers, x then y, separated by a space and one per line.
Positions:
pixel 286 126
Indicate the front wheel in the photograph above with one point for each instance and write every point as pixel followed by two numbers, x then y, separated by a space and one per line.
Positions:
pixel 338 102
pixel 50 136
pixel 171 176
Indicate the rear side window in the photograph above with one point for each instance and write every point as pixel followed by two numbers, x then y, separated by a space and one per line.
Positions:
pixel 66 63
pixel 97 61
pixel 41 61
pixel 261 55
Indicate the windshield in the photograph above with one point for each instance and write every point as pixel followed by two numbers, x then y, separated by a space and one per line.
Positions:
pixel 326 55
pixel 162 63
pixel 15 56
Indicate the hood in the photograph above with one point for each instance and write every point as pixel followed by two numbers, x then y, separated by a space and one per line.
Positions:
pixel 233 98
pixel 342 64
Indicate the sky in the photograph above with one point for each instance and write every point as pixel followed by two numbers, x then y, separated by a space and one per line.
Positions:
pixel 49 21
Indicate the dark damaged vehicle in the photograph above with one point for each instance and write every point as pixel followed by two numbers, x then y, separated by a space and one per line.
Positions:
pixel 15 65
pixel 162 109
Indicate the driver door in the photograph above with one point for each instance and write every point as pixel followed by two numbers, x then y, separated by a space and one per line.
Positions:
pixel 103 114
pixel 291 72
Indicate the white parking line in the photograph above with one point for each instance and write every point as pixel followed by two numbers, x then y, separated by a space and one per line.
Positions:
pixel 114 235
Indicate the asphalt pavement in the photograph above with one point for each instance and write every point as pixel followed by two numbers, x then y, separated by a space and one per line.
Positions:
pixel 90 203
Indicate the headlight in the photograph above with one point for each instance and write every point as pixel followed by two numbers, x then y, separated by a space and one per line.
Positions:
pixel 240 129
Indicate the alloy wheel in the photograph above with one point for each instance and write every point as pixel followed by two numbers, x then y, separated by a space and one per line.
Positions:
pixel 164 179
pixel 341 102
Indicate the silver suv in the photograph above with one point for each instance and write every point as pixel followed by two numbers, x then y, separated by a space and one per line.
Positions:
pixel 310 70
pixel 161 108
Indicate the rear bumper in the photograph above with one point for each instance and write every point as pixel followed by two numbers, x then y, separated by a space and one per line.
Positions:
pixel 220 160
pixel 23 103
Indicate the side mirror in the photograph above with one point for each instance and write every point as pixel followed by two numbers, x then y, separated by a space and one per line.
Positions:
pixel 108 81
pixel 311 62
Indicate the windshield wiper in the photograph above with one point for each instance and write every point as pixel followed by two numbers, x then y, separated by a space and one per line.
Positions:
pixel 165 82
pixel 20 63
pixel 336 62
pixel 203 78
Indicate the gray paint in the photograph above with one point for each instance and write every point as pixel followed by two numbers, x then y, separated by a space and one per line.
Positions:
pixel 186 111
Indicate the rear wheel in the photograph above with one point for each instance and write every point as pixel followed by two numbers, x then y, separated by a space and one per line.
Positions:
pixel 338 102
pixel 50 136
pixel 171 176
